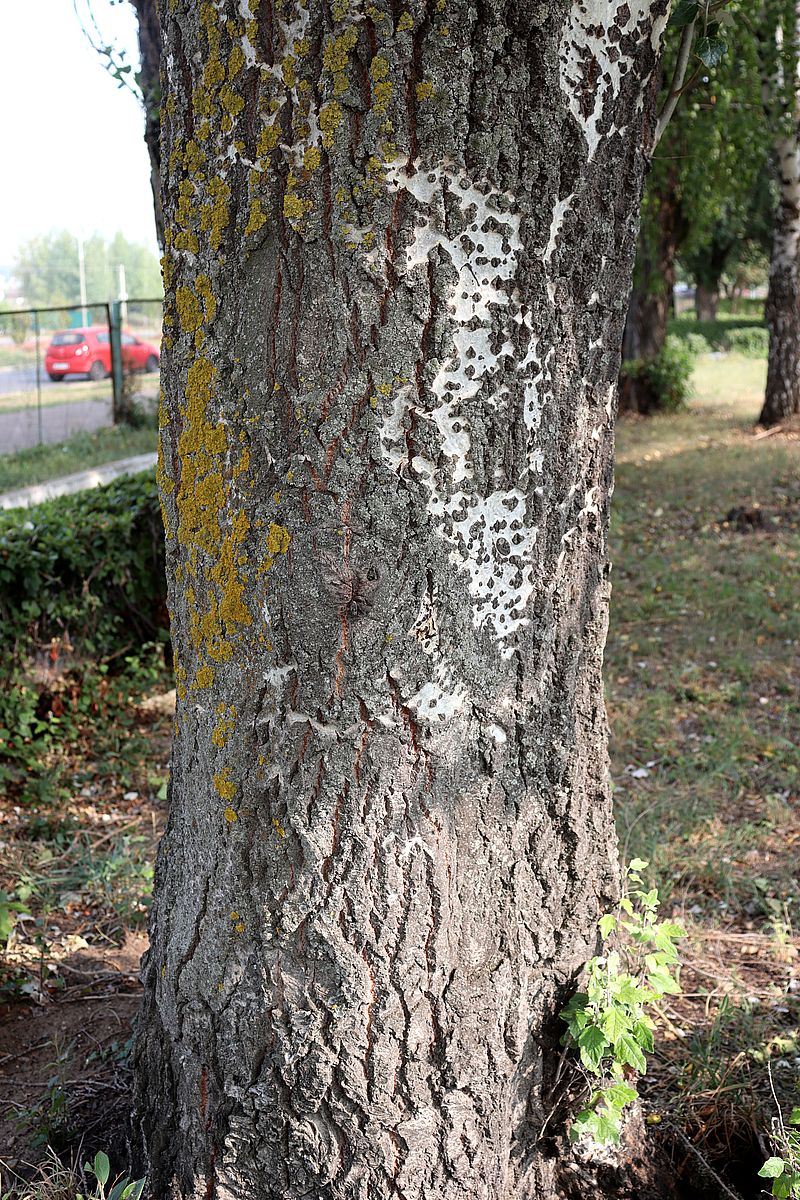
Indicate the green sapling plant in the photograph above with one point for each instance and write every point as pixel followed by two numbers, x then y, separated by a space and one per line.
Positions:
pixel 610 1023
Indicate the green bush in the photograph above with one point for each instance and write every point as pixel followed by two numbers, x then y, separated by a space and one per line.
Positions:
pixel 747 335
pixel 752 342
pixel 667 377
pixel 697 343
pixel 88 568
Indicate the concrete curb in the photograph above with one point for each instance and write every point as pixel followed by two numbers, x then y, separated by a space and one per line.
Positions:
pixel 26 497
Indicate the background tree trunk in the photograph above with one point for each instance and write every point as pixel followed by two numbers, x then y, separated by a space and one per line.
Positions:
pixel 149 80
pixel 706 302
pixel 651 299
pixel 782 309
pixel 396 279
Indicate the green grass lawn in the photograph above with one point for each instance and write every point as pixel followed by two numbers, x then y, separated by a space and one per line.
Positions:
pixel 703 695
pixel 78 453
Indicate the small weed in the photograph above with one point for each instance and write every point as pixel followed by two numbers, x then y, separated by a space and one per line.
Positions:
pixel 610 1023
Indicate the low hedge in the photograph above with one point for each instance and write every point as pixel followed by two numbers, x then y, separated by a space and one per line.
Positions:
pixel 87 568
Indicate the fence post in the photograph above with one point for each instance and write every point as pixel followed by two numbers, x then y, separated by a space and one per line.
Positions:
pixel 115 337
pixel 38 376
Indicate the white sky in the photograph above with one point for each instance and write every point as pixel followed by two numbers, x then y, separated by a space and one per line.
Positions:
pixel 72 146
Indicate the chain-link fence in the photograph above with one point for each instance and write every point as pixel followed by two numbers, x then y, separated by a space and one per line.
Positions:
pixel 76 368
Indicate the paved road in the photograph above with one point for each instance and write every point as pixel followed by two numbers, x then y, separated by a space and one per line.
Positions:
pixel 20 429
pixel 23 379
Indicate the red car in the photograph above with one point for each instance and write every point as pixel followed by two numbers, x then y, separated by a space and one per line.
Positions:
pixel 88 352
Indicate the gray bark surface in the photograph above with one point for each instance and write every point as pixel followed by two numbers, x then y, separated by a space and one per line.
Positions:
pixel 399 246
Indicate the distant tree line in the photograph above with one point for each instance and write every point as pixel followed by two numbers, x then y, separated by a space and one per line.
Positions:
pixel 47 268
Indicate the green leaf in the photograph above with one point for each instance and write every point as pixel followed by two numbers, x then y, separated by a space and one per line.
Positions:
pixel 101 1168
pixel 592 1042
pixel 772 1168
pixel 794 1116
pixel 615 1023
pixel 670 929
pixel 608 924
pixel 604 1126
pixel 628 1051
pixel 639 864
pixel 684 12
pixel 782 1187
pixel 619 1094
pixel 711 50
pixel 662 982
pixel 644 1036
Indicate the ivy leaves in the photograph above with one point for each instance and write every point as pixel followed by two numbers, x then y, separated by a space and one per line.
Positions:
pixel 609 1023
pixel 711 45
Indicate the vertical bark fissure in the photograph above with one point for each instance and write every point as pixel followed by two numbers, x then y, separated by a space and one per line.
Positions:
pixel 390 359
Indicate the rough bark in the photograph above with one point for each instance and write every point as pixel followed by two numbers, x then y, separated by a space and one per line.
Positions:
pixel 149 80
pixel 782 309
pixel 396 277
pixel 706 302
pixel 651 298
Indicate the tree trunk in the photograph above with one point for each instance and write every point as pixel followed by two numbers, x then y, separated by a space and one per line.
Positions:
pixel 149 80
pixel 396 278
pixel 706 302
pixel 651 300
pixel 782 309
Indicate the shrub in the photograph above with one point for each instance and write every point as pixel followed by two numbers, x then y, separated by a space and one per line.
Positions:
pixel 667 377
pixel 87 568
pixel 697 343
pixel 752 342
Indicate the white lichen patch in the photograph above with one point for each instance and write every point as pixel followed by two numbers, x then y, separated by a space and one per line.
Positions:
pixel 592 64
pixel 490 536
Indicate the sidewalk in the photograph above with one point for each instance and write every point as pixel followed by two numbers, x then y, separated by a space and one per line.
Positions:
pixel 25 497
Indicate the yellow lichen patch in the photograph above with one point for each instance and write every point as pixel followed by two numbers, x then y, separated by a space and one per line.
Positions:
pixel 278 539
pixel 204 677
pixel 190 316
pixel 215 215
pixel 295 207
pixel 224 727
pixel 336 56
pixel 340 9
pixel 236 61
pixel 405 23
pixel 239 927
pixel 382 93
pixel 213 73
pixel 256 218
pixel 312 158
pixel 224 785
pixel 186 240
pixel 231 815
pixel 330 118
pixel 243 464
pixel 424 90
pixel 232 607
pixel 204 290
pixel 267 140
pixel 193 157
pixel 279 829
pixel 288 70
pixel 379 67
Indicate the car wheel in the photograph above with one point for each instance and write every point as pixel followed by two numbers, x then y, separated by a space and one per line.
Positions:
pixel 97 371
pixel 151 364
pixel 55 378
